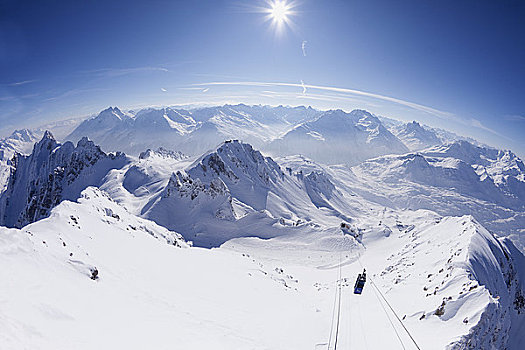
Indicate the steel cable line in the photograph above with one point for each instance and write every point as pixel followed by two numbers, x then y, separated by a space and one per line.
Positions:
pixel 389 319
pixel 391 308
pixel 338 306
pixel 337 292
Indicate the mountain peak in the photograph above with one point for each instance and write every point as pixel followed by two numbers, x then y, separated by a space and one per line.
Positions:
pixel 361 112
pixel 24 135
pixel 162 152
pixel 332 119
pixel 416 137
pixel 48 135
pixel 414 125
pixel 111 114
pixel 235 157
pixel 52 172
pixel 47 142
pixel 112 110
pixel 85 142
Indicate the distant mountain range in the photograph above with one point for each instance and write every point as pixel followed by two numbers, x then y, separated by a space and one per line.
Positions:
pixel 276 130
pixel 336 137
pixel 438 224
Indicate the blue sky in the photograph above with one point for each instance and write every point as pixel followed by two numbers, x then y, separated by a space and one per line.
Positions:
pixel 452 64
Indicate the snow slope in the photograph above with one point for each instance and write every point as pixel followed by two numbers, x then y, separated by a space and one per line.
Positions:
pixel 337 137
pixel 454 179
pixel 442 276
pixel 415 137
pixel 148 292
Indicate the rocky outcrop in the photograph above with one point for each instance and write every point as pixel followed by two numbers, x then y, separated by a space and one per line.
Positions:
pixel 52 173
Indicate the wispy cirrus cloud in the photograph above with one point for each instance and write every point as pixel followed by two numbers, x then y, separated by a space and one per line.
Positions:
pixel 515 118
pixel 117 72
pixel 73 92
pixel 18 97
pixel 344 91
pixel 303 47
pixel 478 124
pixel 23 82
pixel 419 107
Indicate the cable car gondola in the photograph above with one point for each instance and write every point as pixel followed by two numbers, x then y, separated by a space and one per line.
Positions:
pixel 360 282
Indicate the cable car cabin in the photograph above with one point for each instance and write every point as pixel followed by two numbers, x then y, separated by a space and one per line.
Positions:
pixel 360 283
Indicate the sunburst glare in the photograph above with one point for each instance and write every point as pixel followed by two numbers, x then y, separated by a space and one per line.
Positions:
pixel 279 12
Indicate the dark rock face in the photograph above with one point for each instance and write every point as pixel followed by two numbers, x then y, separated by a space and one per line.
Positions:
pixel 52 173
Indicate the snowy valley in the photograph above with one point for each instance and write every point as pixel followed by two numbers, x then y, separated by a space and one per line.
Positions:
pixel 244 227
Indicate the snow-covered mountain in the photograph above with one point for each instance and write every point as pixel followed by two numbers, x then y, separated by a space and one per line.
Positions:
pixel 337 137
pixel 447 136
pixel 163 153
pixel 418 137
pixel 275 117
pixel 229 192
pixel 52 173
pixel 108 128
pixel 439 232
pixel 415 137
pixel 454 179
pixel 504 168
pixel 20 141
pixel 191 131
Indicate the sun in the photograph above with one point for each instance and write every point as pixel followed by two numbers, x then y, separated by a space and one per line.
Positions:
pixel 280 11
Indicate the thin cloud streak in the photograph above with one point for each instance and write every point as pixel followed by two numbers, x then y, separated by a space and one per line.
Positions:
pixel 191 88
pixel 117 72
pixel 515 118
pixel 19 83
pixel 73 92
pixel 432 111
pixel 17 97
pixel 477 124
pixel 313 96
